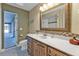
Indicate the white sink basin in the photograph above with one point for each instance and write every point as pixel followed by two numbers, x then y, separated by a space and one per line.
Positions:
pixel 43 37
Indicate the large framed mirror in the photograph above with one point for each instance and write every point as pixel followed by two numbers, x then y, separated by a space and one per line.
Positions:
pixel 57 18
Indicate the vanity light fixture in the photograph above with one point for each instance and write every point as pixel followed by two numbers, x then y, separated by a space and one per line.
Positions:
pixel 47 6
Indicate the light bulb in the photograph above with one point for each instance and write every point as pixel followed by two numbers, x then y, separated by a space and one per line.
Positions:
pixel 41 8
pixel 44 6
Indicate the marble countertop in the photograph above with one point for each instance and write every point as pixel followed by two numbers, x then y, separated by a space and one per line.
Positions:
pixel 58 43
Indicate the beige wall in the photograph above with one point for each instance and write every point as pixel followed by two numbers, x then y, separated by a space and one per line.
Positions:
pixel 22 19
pixel 75 18
pixel 0 28
pixel 34 19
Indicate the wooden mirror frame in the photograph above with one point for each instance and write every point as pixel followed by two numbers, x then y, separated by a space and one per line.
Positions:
pixel 67 19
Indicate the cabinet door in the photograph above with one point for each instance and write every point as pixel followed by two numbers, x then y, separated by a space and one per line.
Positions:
pixel 39 49
pixel 42 49
pixel 29 46
pixel 35 48
pixel 50 52
pixel 54 52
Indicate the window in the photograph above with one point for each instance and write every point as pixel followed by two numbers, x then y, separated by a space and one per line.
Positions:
pixel 6 28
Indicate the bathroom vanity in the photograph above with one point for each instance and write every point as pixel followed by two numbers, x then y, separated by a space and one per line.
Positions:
pixel 47 46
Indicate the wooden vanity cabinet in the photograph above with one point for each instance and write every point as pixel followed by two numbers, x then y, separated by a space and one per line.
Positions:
pixel 37 48
pixel 54 52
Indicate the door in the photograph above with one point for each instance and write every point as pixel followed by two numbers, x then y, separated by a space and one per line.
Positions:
pixel 9 29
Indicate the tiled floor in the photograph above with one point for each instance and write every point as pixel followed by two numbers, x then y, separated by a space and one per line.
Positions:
pixel 14 51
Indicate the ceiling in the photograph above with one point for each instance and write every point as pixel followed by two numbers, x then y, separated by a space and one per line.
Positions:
pixel 25 6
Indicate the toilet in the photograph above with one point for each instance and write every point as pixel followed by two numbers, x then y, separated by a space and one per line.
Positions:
pixel 23 44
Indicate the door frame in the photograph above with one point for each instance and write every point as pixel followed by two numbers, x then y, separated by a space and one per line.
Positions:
pixel 16 18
